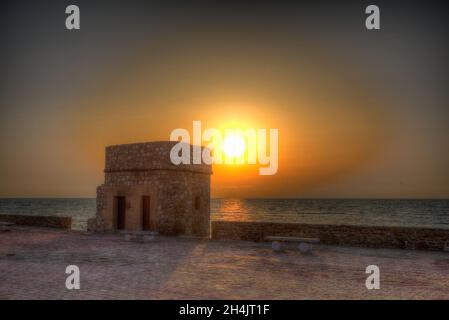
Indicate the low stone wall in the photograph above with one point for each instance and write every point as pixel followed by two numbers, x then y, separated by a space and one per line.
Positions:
pixel 366 236
pixel 39 221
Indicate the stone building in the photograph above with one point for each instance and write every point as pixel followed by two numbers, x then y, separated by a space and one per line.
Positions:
pixel 143 190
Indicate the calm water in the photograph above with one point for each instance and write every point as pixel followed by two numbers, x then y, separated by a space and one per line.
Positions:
pixel 423 213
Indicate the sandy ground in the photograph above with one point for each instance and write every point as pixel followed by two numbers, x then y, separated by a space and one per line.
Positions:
pixel 33 263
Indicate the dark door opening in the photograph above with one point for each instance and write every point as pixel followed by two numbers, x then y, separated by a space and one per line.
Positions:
pixel 197 203
pixel 120 203
pixel 145 212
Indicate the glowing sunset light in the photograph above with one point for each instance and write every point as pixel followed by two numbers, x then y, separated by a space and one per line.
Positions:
pixel 233 145
pixel 345 129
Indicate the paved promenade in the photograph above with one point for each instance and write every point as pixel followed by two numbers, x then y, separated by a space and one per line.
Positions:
pixel 33 263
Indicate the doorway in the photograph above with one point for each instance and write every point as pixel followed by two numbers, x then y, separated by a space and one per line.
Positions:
pixel 145 212
pixel 120 209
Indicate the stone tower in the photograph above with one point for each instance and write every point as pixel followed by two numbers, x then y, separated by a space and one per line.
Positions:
pixel 143 190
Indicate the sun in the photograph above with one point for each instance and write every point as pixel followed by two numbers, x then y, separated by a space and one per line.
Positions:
pixel 233 145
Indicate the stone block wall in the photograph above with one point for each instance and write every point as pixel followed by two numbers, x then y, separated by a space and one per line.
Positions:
pixel 146 157
pixel 38 221
pixel 367 236
pixel 134 170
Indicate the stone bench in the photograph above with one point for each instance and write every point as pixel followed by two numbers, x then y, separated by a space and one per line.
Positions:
pixel 305 244
pixel 138 235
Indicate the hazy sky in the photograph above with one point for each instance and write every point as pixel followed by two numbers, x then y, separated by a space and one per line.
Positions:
pixel 360 113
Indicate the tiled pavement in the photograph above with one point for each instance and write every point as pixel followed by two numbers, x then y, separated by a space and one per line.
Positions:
pixel 33 263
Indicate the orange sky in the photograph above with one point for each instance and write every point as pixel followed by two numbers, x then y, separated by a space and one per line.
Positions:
pixel 354 120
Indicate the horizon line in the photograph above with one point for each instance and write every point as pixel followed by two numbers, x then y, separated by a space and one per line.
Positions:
pixel 263 198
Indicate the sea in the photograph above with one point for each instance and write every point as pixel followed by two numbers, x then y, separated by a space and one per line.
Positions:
pixel 369 212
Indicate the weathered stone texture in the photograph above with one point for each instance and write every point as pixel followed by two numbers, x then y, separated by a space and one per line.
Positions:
pixel 33 261
pixel 367 236
pixel 145 169
pixel 38 221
